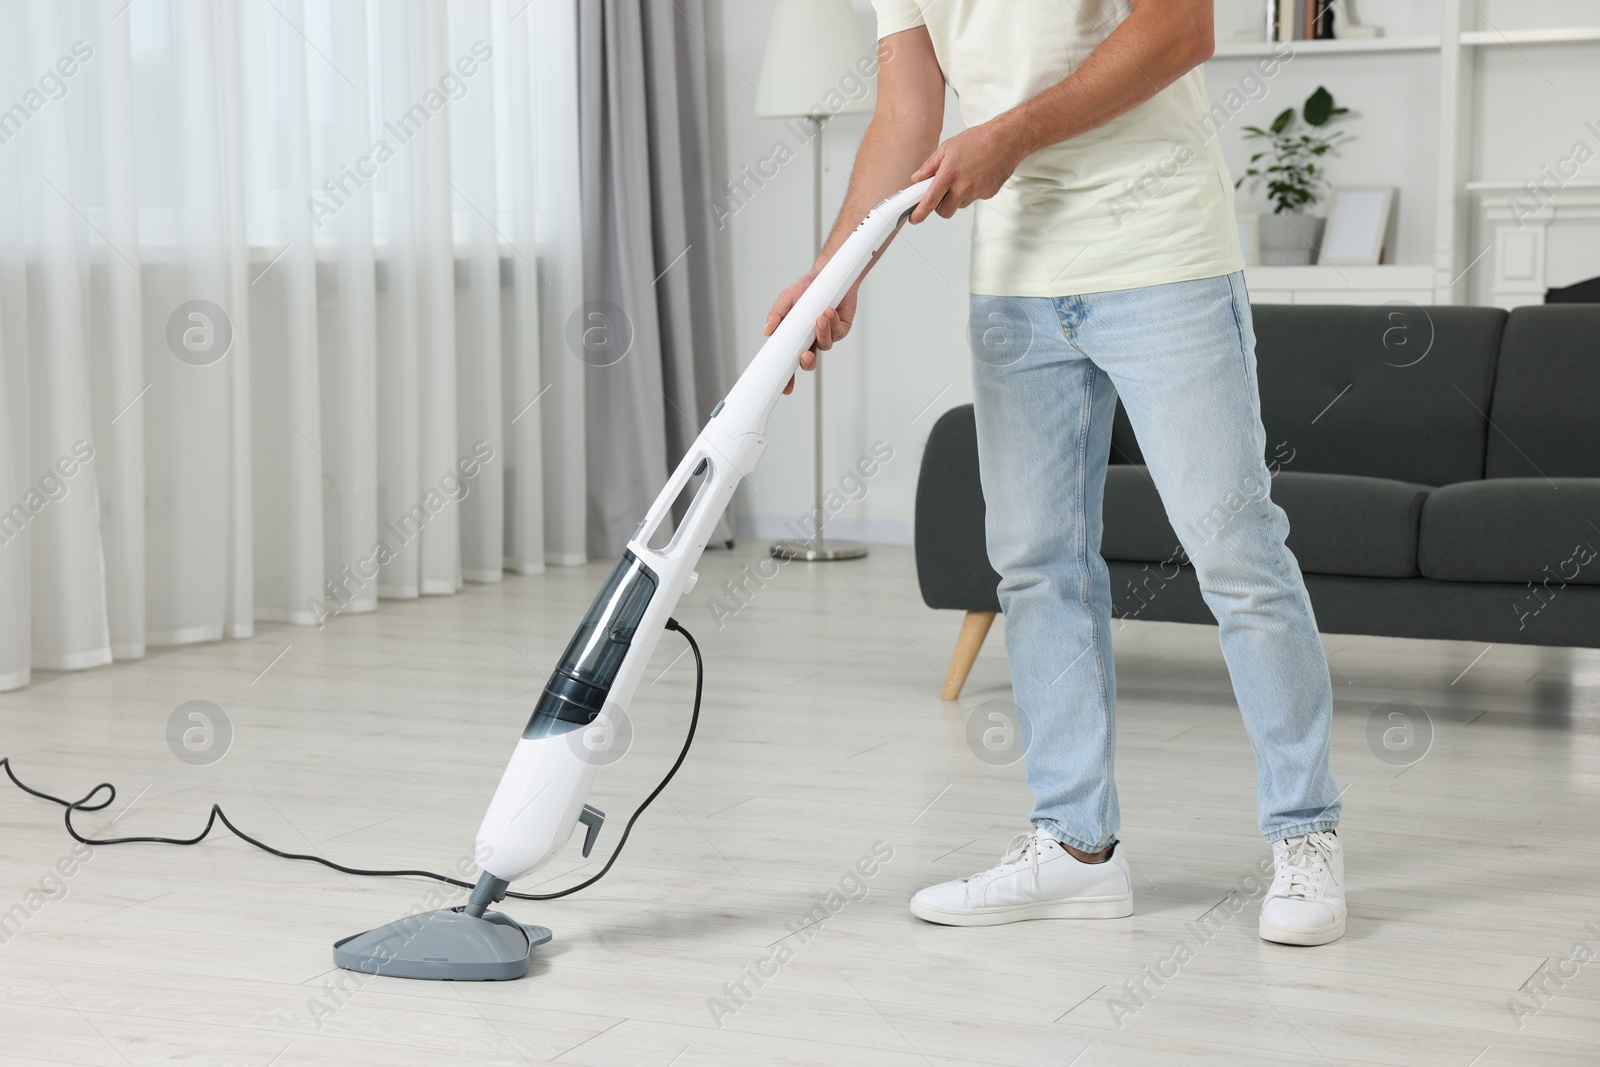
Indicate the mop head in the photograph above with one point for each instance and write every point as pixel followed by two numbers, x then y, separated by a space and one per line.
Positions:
pixel 445 945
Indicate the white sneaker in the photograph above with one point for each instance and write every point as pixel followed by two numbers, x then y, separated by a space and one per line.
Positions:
pixel 1036 879
pixel 1305 905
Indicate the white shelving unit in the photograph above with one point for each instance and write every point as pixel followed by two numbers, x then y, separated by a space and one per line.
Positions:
pixel 1516 187
pixel 1512 38
pixel 1465 40
pixel 1236 50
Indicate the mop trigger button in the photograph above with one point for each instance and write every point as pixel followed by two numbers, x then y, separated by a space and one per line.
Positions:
pixel 592 818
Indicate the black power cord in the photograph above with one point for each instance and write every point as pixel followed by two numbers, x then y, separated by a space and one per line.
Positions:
pixel 217 814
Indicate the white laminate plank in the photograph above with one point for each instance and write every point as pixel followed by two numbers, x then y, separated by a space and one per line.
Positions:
pixel 377 741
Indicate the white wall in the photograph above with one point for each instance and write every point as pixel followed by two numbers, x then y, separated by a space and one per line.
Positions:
pixel 909 342
pixel 910 339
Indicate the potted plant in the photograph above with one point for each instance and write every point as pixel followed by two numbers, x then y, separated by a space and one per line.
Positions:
pixel 1292 177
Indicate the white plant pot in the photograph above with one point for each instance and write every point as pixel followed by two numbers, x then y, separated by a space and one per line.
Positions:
pixel 1290 240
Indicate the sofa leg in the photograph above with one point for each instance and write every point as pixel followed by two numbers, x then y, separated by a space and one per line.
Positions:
pixel 974 628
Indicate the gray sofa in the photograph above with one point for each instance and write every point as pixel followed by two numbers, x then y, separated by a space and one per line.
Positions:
pixel 1440 468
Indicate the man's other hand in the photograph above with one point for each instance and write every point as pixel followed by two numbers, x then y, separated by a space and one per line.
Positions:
pixel 831 326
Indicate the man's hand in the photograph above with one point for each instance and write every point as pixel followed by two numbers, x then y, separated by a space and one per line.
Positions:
pixel 970 166
pixel 831 326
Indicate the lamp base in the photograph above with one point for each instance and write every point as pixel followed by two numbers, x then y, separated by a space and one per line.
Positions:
pixel 811 552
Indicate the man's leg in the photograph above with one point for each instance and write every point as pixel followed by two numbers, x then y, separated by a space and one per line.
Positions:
pixel 1044 414
pixel 1183 359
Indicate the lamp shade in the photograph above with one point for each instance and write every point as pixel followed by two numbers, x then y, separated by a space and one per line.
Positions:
pixel 814 62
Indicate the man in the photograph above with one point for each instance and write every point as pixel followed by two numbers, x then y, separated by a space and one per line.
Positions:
pixel 1105 263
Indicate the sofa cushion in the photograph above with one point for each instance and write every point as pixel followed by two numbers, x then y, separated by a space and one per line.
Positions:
pixel 1346 524
pixel 1513 530
pixel 1124 445
pixel 1338 523
pixel 1135 526
pixel 1394 391
pixel 1546 392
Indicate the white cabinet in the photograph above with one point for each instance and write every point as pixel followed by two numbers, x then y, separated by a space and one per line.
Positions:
pixel 1340 285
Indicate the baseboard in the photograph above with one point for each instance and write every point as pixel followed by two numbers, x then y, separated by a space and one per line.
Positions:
pixel 72 661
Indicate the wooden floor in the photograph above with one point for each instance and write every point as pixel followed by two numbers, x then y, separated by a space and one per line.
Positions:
pixel 1473 872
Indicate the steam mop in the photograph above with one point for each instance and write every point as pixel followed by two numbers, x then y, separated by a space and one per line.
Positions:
pixel 542 795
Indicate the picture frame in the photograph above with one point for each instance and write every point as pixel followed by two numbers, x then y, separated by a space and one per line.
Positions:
pixel 1250 237
pixel 1358 225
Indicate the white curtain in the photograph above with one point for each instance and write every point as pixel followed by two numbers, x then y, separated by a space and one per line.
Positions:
pixel 269 328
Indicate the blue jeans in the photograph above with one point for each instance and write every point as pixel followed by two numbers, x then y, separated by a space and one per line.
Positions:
pixel 1047 372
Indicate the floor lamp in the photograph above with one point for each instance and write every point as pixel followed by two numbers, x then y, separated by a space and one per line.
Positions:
pixel 812 71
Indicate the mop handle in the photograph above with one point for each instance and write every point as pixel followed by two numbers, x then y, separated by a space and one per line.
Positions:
pixel 753 396
pixel 735 437
pixel 541 796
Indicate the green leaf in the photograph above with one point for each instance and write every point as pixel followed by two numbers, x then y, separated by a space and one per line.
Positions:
pixel 1291 175
pixel 1319 106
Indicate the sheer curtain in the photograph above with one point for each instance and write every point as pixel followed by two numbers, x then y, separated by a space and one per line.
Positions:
pixel 270 347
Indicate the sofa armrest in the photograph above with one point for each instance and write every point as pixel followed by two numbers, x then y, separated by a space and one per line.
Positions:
pixel 952 559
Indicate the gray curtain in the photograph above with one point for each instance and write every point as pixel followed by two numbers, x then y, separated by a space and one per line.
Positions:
pixel 648 329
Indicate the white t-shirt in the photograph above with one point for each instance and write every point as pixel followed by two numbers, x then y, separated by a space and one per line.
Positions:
pixel 1142 200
